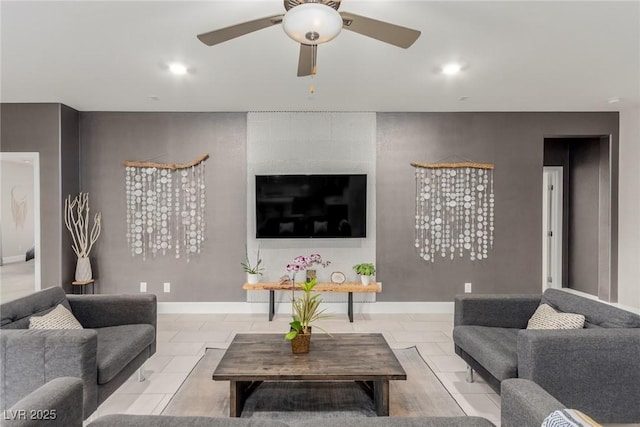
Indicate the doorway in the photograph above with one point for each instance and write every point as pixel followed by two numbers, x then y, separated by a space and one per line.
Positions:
pixel 19 224
pixel 582 215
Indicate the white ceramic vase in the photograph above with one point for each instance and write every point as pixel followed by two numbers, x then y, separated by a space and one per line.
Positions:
pixel 252 279
pixel 365 279
pixel 83 270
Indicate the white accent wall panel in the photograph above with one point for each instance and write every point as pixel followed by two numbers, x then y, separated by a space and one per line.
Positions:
pixel 311 143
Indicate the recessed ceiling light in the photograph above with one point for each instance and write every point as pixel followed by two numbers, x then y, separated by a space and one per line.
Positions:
pixel 178 68
pixel 614 100
pixel 452 68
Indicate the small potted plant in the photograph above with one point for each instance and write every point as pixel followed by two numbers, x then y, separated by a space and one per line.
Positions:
pixel 365 270
pixel 306 311
pixel 254 271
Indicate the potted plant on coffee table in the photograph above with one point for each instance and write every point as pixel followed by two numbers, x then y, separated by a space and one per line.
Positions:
pixel 254 271
pixel 306 311
pixel 365 270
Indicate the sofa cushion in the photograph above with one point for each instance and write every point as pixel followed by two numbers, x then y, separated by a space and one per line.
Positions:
pixel 119 345
pixel 494 348
pixel 596 313
pixel 545 317
pixel 15 314
pixel 58 318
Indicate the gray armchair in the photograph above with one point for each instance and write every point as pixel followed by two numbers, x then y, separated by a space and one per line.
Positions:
pixel 119 336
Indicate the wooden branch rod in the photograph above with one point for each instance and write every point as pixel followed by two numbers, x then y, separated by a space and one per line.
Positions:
pixel 453 165
pixel 172 166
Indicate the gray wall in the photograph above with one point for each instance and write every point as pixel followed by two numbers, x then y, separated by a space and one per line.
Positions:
pixel 36 128
pixel 109 139
pixel 70 181
pixel 514 142
pixel 583 216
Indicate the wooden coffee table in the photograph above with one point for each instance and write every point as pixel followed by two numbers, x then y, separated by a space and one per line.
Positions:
pixel 364 358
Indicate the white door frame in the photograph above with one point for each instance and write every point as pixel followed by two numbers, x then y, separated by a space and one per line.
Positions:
pixel 552 180
pixel 34 158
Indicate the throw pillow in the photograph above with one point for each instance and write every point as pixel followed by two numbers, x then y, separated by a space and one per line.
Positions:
pixel 569 418
pixel 58 318
pixel 546 317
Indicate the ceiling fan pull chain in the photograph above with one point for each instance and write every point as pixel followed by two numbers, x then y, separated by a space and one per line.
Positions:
pixel 314 69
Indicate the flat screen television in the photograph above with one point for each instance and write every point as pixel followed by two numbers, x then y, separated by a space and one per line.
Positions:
pixel 311 206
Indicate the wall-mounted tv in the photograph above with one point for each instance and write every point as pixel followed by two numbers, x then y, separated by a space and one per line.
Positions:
pixel 311 206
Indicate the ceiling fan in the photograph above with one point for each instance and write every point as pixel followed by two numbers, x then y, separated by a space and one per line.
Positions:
pixel 312 22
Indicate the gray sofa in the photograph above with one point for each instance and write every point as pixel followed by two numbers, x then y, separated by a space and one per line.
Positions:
pixel 524 404
pixel 119 336
pixel 173 421
pixel 63 397
pixel 595 369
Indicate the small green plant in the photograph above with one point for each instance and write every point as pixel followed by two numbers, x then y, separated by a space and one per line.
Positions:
pixel 365 269
pixel 306 311
pixel 255 268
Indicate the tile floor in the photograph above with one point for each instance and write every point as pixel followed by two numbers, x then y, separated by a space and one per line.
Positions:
pixel 182 339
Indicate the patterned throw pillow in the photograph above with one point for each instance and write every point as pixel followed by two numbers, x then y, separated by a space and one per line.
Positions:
pixel 569 418
pixel 546 317
pixel 58 318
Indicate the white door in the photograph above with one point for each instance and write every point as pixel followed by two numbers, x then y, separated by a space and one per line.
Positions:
pixel 552 227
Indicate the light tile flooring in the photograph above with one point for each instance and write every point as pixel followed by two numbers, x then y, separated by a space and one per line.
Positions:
pixel 17 279
pixel 182 339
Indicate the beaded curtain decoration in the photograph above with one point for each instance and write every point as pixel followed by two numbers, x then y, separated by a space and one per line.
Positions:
pixel 454 210
pixel 165 208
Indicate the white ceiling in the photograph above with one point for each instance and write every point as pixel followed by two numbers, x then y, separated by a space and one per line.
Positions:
pixel 518 56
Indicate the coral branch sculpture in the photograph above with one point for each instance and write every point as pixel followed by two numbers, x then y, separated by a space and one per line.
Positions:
pixel 76 218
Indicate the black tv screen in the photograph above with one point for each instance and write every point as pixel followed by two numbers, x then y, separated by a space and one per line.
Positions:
pixel 306 206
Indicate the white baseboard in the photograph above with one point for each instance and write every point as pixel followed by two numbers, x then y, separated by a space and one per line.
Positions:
pixel 14 258
pixel 250 308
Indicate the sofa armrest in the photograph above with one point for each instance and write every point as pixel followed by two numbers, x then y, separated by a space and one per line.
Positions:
pixel 58 403
pixel 525 404
pixel 596 371
pixel 502 311
pixel 99 311
pixel 30 358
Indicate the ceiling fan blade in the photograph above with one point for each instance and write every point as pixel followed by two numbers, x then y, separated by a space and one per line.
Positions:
pixel 307 60
pixel 222 35
pixel 380 30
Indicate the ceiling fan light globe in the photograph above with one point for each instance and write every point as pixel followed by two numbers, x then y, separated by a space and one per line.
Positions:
pixel 312 23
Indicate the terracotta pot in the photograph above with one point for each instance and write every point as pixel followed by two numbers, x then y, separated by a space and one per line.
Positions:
pixel 300 344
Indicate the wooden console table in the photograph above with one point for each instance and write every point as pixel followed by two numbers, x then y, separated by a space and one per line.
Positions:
pixel 349 287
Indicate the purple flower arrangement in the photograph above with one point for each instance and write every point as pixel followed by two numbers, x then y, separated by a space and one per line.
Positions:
pixel 301 263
